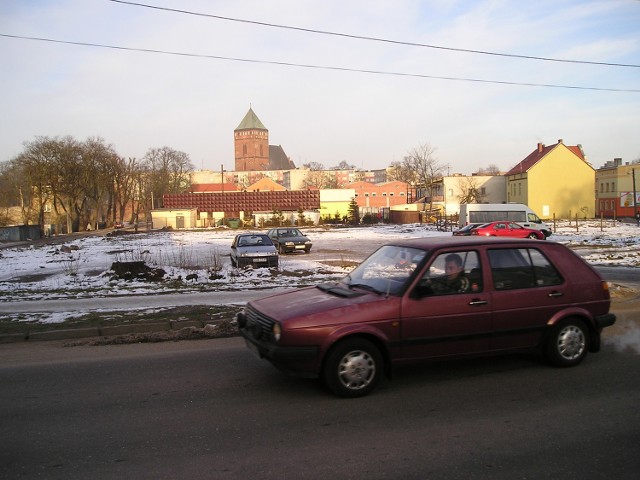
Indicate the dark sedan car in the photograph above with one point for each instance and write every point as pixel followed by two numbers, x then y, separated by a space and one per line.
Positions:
pixel 467 229
pixel 433 298
pixel 288 240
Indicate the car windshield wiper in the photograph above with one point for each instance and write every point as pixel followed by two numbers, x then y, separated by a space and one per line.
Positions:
pixel 364 286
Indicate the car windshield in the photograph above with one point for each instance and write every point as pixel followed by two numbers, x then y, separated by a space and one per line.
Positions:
pixel 253 240
pixel 386 270
pixel 290 232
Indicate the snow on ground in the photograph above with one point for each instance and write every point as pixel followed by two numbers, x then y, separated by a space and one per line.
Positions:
pixel 46 271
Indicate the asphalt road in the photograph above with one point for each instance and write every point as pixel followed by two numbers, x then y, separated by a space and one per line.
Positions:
pixel 209 410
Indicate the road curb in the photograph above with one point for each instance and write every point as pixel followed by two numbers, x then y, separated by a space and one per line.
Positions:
pixel 110 331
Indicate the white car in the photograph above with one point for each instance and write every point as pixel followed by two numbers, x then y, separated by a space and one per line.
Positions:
pixel 255 249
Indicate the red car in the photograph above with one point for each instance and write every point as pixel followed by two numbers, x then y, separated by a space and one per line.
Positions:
pixel 507 229
pixel 433 298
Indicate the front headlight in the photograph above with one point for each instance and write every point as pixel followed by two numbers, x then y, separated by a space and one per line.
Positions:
pixel 277 331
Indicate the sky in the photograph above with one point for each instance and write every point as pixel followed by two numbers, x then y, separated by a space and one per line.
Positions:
pixel 318 93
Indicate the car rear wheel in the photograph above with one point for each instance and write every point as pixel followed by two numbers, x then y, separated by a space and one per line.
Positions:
pixel 353 368
pixel 533 236
pixel 567 343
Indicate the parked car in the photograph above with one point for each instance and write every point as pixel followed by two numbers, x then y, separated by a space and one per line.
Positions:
pixel 287 240
pixel 255 249
pixel 118 225
pixel 433 298
pixel 507 229
pixel 467 229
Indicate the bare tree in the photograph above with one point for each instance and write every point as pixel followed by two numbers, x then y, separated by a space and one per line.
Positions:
pixel 320 180
pixel 315 166
pixel 343 165
pixel 98 163
pixel 470 192
pixel 492 169
pixel 427 168
pixel 402 172
pixel 167 171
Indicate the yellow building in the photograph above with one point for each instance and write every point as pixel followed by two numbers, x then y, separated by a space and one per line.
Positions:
pixel 334 203
pixel 554 181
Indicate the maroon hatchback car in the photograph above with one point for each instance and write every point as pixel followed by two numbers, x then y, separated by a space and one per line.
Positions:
pixel 433 298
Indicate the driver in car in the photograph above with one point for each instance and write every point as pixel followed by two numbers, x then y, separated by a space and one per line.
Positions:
pixel 454 280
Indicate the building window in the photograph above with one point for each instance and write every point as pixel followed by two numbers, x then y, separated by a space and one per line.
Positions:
pixel 607 188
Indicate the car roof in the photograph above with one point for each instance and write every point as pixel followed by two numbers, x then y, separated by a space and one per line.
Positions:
pixel 430 243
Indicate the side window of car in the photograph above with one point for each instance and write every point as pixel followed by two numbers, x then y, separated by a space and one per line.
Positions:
pixel 511 268
pixel 546 274
pixel 453 272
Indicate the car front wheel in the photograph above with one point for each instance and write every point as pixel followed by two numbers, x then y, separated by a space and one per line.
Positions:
pixel 567 343
pixel 353 368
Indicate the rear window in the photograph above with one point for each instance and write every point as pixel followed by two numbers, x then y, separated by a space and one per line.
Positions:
pixel 514 268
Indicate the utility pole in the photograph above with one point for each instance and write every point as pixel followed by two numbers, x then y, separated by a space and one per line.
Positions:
pixel 635 198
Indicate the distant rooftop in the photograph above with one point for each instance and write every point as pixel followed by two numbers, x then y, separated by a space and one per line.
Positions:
pixel 251 122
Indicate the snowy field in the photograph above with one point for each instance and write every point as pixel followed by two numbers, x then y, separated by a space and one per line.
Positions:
pixel 199 260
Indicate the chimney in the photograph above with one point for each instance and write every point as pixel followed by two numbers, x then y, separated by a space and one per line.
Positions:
pixel 559 140
pixel 617 162
pixel 540 147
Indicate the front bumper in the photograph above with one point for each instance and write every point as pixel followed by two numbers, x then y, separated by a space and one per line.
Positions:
pixel 301 361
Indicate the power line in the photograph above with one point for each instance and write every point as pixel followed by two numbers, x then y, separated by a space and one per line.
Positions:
pixel 319 67
pixel 377 39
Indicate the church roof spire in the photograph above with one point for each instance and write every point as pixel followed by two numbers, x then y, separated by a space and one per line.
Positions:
pixel 251 121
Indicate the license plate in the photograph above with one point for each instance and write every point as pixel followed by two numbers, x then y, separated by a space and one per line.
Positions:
pixel 259 260
pixel 300 247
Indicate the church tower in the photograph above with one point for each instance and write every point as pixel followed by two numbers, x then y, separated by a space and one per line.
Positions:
pixel 251 140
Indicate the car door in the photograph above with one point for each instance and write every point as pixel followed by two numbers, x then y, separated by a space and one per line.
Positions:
pixel 527 291
pixel 500 230
pixel 439 324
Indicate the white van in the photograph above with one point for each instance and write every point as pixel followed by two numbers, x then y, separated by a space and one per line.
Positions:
pixel 493 212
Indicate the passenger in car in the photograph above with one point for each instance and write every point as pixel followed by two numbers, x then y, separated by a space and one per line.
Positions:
pixel 454 280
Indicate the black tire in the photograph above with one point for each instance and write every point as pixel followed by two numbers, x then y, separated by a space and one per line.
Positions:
pixel 533 236
pixel 568 343
pixel 233 263
pixel 282 250
pixel 353 367
pixel 307 250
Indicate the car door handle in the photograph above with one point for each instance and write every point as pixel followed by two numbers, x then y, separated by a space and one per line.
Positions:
pixel 556 294
pixel 477 301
